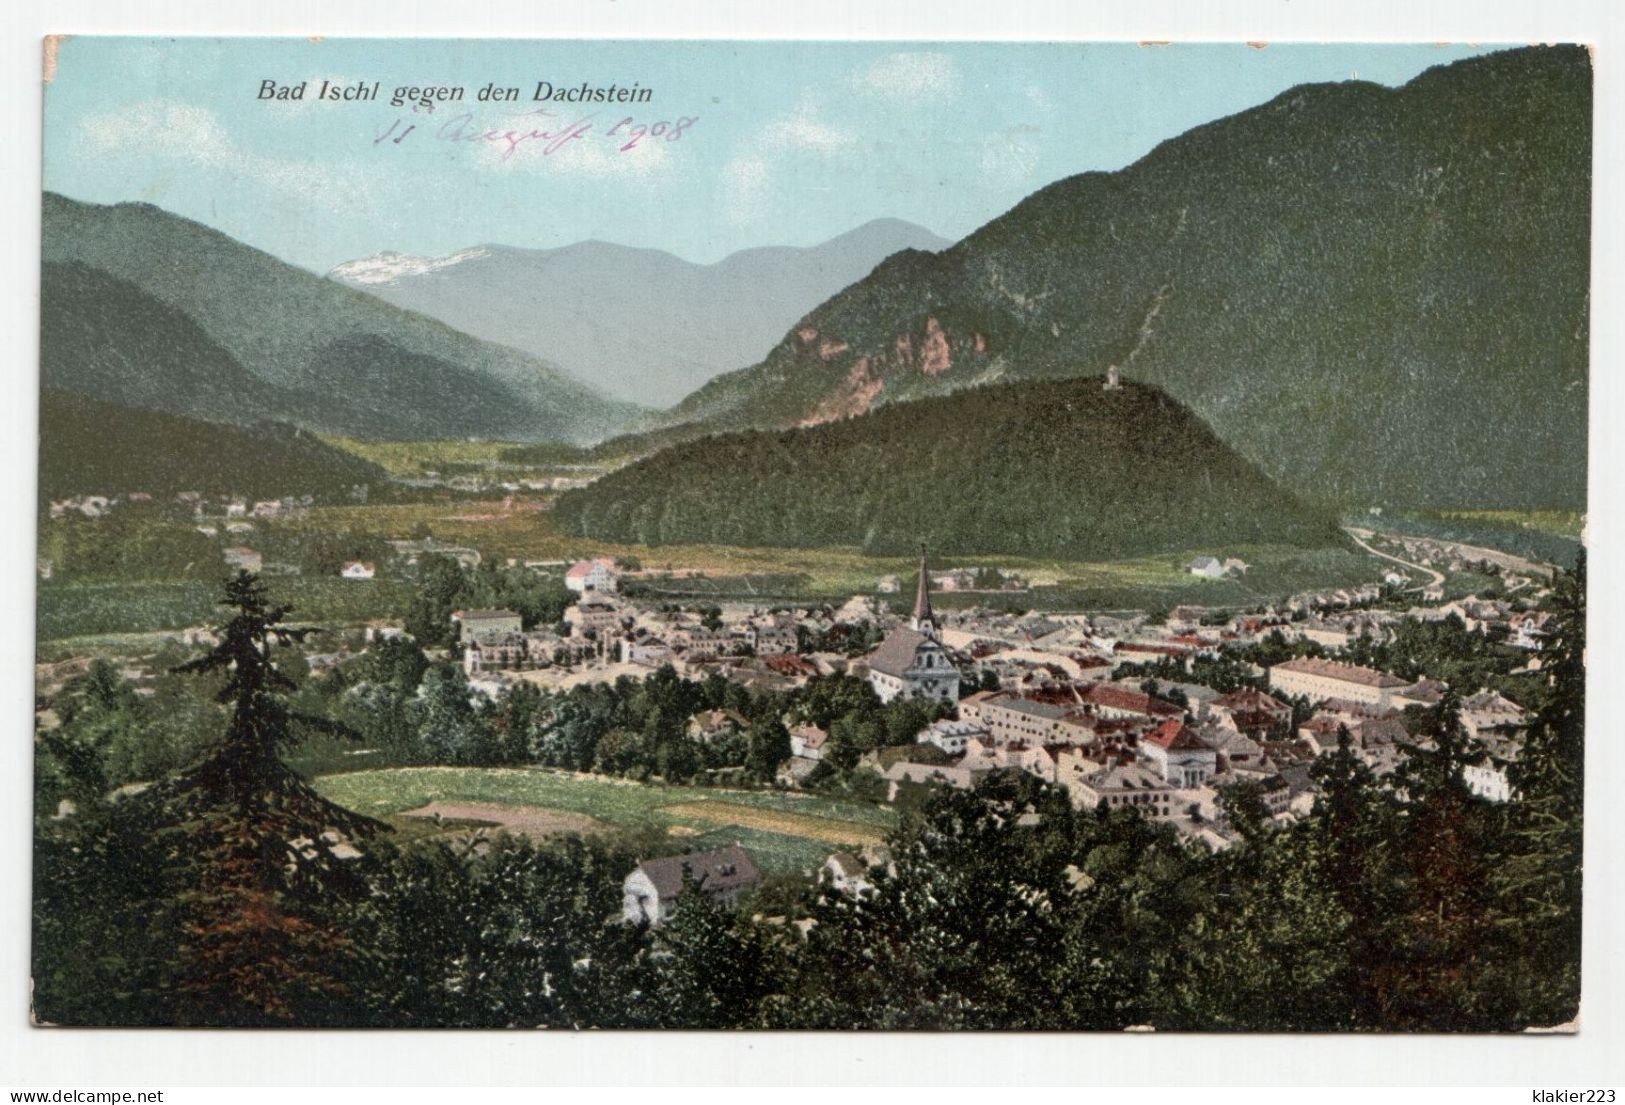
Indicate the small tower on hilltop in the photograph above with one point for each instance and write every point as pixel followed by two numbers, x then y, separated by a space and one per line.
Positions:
pixel 923 620
pixel 1114 378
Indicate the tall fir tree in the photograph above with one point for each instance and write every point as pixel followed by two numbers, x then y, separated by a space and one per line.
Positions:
pixel 250 848
pixel 1539 875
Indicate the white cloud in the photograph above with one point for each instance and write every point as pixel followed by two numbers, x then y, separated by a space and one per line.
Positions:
pixel 915 77
pixel 747 178
pixel 744 188
pixel 195 136
pixel 804 130
pixel 160 126
pixel 1011 155
pixel 1039 98
pixel 603 158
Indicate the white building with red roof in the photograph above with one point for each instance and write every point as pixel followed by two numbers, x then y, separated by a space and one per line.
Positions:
pixel 1318 679
pixel 1113 700
pixel 598 574
pixel 1182 758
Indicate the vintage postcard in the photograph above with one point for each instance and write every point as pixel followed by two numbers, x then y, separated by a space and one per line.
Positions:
pixel 1076 536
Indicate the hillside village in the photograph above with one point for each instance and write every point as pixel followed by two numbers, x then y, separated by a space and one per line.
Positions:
pixel 1065 698
pixel 1161 608
pixel 1161 716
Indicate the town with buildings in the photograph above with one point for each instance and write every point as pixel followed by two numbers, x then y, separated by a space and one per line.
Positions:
pixel 1159 714
pixel 1159 604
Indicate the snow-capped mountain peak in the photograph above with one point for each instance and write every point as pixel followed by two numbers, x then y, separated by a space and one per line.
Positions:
pixel 389 266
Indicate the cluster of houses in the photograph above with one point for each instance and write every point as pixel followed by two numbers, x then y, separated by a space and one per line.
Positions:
pixel 1059 710
pixel 498 478
pixel 1108 744
pixel 1449 556
pixel 1169 750
pixel 1049 696
pixel 1112 745
pixel 190 504
pixel 652 890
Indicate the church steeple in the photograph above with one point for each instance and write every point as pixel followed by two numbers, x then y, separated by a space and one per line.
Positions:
pixel 924 620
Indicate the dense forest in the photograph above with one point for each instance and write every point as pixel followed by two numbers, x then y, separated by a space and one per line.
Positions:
pixel 88 446
pixel 219 895
pixel 1062 469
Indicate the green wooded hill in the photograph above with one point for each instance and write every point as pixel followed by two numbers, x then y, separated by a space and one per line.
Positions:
pixel 1378 295
pixel 1048 469
pixel 187 301
pixel 92 447
pixel 106 338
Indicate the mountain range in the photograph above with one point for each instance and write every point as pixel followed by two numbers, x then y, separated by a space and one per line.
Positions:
pixel 1378 295
pixel 1375 295
pixel 1064 469
pixel 144 307
pixel 641 324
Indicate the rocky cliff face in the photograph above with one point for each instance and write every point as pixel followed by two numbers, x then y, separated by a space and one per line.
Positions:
pixel 1379 295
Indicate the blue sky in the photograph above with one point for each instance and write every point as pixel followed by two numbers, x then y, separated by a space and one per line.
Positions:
pixel 790 143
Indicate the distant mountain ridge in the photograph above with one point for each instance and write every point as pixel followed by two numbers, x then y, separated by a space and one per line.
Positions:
pixel 1062 469
pixel 1378 295
pixel 642 324
pixel 305 349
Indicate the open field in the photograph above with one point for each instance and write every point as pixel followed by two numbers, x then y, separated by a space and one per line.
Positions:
pixel 525 532
pixel 410 458
pixel 1559 523
pixel 535 822
pixel 785 833
pixel 774 821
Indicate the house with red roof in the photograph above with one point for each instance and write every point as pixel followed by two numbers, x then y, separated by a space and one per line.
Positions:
pixel 1112 700
pixel 1317 679
pixel 592 575
pixel 1182 758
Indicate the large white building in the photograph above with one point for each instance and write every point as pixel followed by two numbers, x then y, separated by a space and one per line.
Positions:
pixel 911 662
pixel 592 575
pixel 1317 680
pixel 951 736
pixel 486 625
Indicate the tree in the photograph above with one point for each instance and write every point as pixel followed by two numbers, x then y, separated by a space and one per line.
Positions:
pixel 1359 826
pixel 1439 951
pixel 492 933
pixel 1538 876
pixel 95 711
pixel 396 662
pixel 218 877
pixel 716 969
pixel 769 746
pixel 442 588
pixel 448 728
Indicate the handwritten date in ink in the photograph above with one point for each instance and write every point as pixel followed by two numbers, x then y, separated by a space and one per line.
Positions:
pixel 544 130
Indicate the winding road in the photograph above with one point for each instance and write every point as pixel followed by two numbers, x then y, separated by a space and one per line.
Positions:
pixel 1360 536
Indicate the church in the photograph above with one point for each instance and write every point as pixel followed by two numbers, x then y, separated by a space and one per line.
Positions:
pixel 911 662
